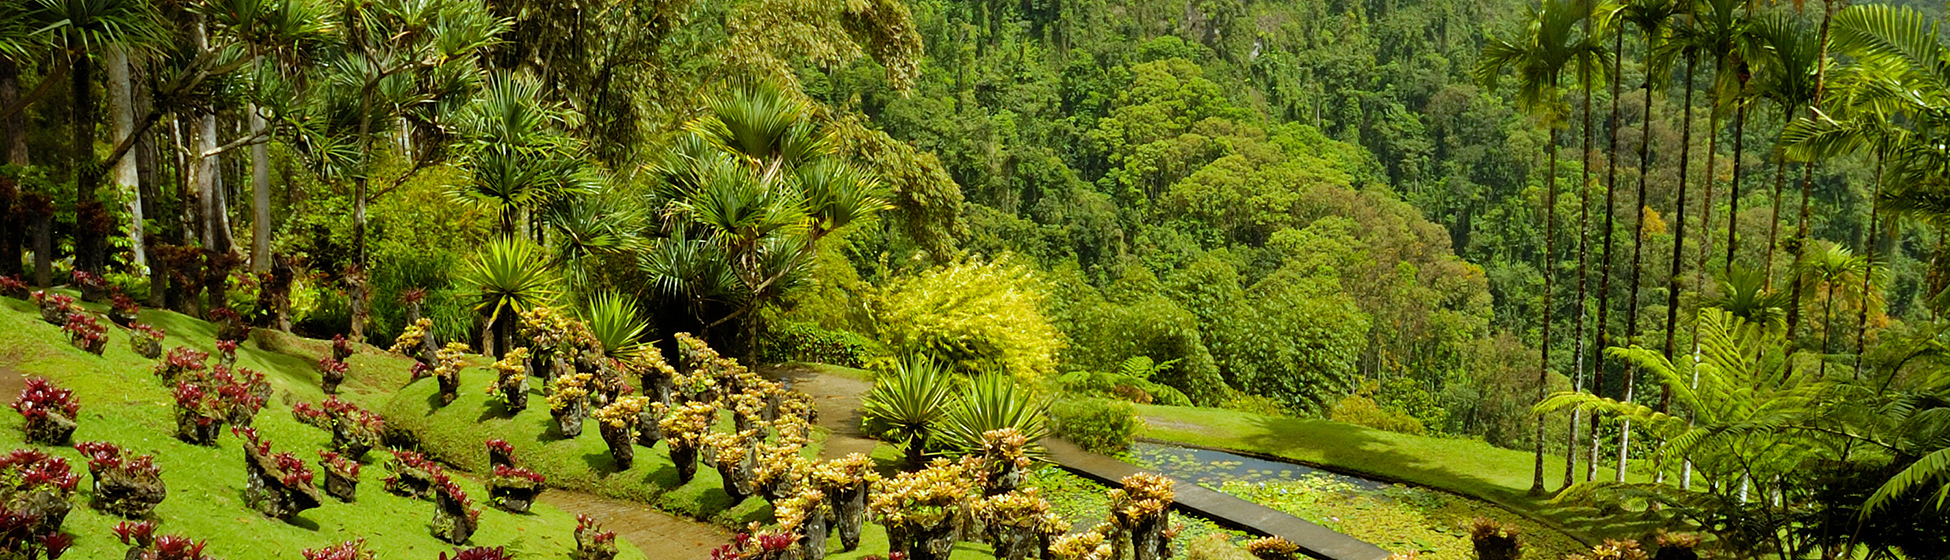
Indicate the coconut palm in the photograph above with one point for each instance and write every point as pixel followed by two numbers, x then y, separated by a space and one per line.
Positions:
pixel 506 277
pixel 1551 43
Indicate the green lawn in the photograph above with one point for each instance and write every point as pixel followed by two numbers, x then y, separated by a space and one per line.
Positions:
pixel 1464 466
pixel 123 403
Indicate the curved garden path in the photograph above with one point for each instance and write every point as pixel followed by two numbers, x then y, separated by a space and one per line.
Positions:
pixel 657 534
pixel 838 401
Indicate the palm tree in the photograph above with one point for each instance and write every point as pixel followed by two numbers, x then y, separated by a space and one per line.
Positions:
pixel 506 277
pixel 1550 44
pixel 1825 268
pixel 520 155
pixel 1596 37
pixel 1786 51
pixel 84 29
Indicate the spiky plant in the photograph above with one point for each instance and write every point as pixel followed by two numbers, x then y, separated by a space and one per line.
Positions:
pixel 505 278
pixel 616 322
pixel 993 402
pixel 911 400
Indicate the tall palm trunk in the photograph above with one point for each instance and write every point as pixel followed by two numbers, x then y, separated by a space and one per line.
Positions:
pixel 1638 235
pixel 1733 189
pixel 1869 243
pixel 1679 240
pixel 1780 185
pixel 13 151
pixel 82 92
pixel 1807 177
pixel 260 195
pixel 1584 262
pixel 1550 248
pixel 1605 268
pixel 121 108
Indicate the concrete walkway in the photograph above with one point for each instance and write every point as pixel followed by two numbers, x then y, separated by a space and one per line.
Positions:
pixel 1314 540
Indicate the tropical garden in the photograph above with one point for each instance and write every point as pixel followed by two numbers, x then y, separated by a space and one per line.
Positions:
pixel 790 279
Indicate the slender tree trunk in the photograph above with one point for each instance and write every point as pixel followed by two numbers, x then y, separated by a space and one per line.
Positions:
pixel 1869 269
pixel 1550 248
pixel 357 275
pixel 261 196
pixel 1807 178
pixel 1679 240
pixel 121 108
pixel 1733 189
pixel 1780 186
pixel 1828 319
pixel 1584 265
pixel 13 151
pixel 1638 235
pixel 1605 268
pixel 203 177
pixel 82 90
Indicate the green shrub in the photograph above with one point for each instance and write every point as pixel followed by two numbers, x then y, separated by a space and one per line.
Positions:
pixel 1096 425
pixel 805 342
pixel 1361 410
pixel 976 316
pixel 1256 404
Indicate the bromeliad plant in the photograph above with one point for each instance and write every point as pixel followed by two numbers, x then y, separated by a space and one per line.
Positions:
pixel 1018 525
pixel 122 310
pixel 1094 544
pixel 684 429
pixel 171 547
pixel 278 485
pixel 341 348
pixel 412 341
pixel 511 380
pixel 230 325
pixel 413 475
pixel 182 362
pixel 54 307
pixel 808 515
pixel 227 353
pixel 331 373
pixel 49 411
pixel 146 341
pixel 13 287
pixel 341 476
pixel 844 482
pixel 454 516
pixel 447 365
pixel 736 458
pixel 1003 462
pixel 568 402
pixel 618 423
pixel 200 413
pixel 592 542
pixel 921 509
pixel 500 453
pixel 1141 511
pixel 128 486
pixel 910 400
pixel 37 488
pixel 86 333
pixel 514 488
pixel 348 550
pixel 354 430
pixel 478 553
pixel 1276 548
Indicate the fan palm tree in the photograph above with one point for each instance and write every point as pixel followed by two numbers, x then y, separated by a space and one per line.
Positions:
pixel 520 155
pixel 1550 44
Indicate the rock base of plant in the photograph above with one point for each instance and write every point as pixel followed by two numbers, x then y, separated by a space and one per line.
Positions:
pixel 198 430
pixel 411 483
pixel 850 513
pixel 450 521
pixel 340 487
pixel 127 496
pixel 685 457
pixel 569 422
pixel 622 450
pixel 924 542
pixel 513 498
pixel 52 428
pixel 270 496
pixel 147 348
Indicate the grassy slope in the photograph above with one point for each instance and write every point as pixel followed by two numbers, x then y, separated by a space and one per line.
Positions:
pixel 1467 467
pixel 123 403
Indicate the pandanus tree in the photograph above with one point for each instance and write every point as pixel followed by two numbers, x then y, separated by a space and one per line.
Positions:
pixel 1538 57
pixel 745 195
pixel 519 154
pixel 404 67
pixel 505 278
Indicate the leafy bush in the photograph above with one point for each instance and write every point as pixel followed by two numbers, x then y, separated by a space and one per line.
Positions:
pixel 806 342
pixel 1130 381
pixel 978 316
pixel 1360 410
pixel 993 402
pixel 1131 318
pixel 1096 425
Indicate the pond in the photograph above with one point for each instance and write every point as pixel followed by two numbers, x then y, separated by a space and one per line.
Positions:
pixel 1213 468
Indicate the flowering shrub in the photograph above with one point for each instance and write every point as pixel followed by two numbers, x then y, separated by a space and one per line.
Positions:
pixel 126 486
pixel 1015 523
pixel 49 410
pixel 511 380
pixel 594 543
pixel 341 348
pixel 86 333
pixel 180 362
pixel 278 485
pixel 761 545
pixel 146 340
pixel 348 550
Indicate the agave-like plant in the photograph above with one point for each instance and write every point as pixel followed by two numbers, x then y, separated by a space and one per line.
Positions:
pixel 911 400
pixel 506 277
pixel 614 320
pixel 994 402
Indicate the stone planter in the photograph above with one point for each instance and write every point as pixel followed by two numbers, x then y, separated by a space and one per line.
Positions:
pixel 197 429
pixel 849 514
pixel 234 331
pixel 451 521
pixel 51 428
pixel 49 505
pixel 514 394
pixel 122 317
pixel 351 445
pixel 54 313
pixel 647 432
pixel 330 379
pixel 513 496
pixel 120 493
pixel 685 457
pixel 1148 540
pixel 91 345
pixel 449 388
pixel 270 496
pixel 737 475
pixel 146 347
pixel 568 422
pixel 621 445
pixel 411 482
pixel 340 487
pixel 812 537
pixel 242 416
pixel 923 542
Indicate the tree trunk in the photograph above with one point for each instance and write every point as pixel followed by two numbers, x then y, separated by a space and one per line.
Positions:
pixel 261 196
pixel 121 108
pixel 1733 189
pixel 1774 226
pixel 1869 268
pixel 13 151
pixel 1603 325
pixel 1584 262
pixel 1550 246
pixel 1638 233
pixel 1673 285
pixel 82 90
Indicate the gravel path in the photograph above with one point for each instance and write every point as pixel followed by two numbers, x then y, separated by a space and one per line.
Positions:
pixel 837 399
